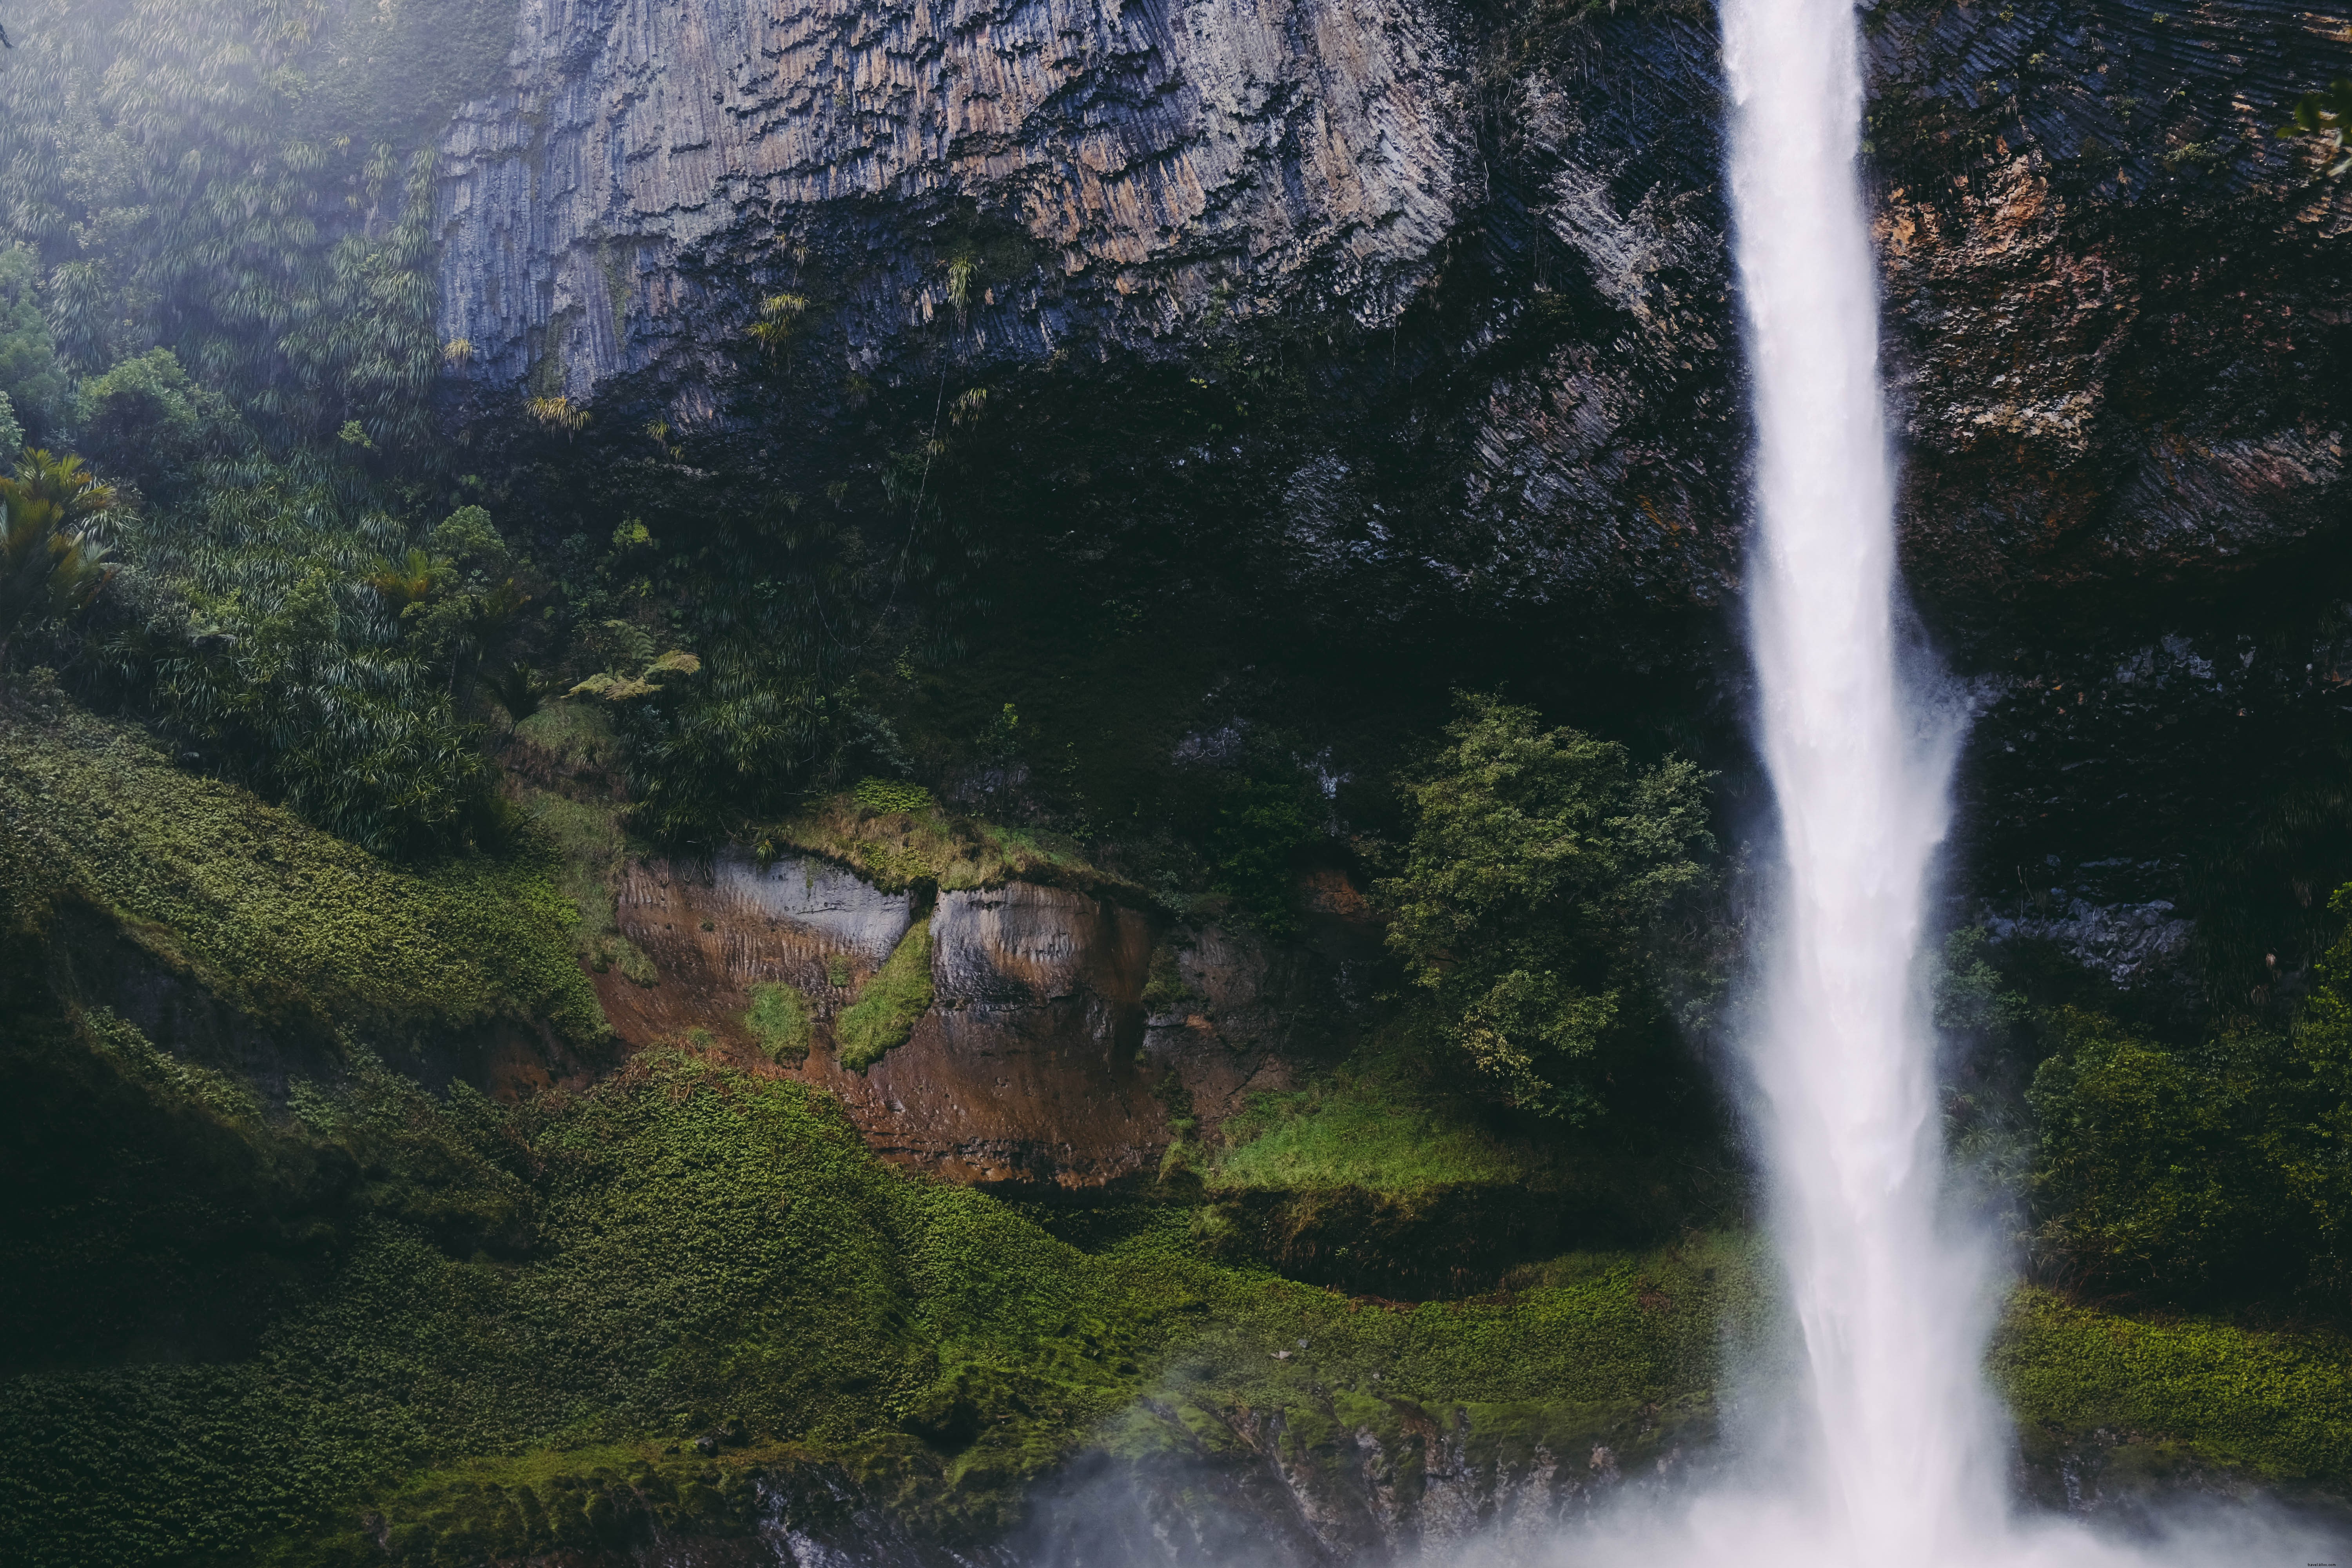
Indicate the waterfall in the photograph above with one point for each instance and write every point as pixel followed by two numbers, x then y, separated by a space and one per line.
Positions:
pixel 1906 1453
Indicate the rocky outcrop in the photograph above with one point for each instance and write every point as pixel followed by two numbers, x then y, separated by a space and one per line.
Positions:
pixel 2108 320
pixel 1047 1061
pixel 1350 1480
pixel 1027 1067
pixel 1135 156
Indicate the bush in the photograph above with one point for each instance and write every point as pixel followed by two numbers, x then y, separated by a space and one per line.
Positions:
pixel 2153 1170
pixel 31 379
pixel 1536 861
pixel 274 651
pixel 149 422
pixel 2219 1171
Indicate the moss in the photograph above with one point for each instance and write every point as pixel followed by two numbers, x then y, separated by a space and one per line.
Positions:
pixel 1384 1175
pixel 778 1018
pixel 1373 1125
pixel 2276 1403
pixel 887 1008
pixel 270 915
pixel 709 1250
pixel 900 848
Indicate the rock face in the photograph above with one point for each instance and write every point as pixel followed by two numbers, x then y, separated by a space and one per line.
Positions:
pixel 1027 1068
pixel 2109 317
pixel 1040 1065
pixel 1140 153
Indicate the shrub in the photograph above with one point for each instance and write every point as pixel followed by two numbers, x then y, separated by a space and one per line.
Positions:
pixel 895 796
pixel 30 377
pixel 49 567
pixel 2222 1169
pixel 149 421
pixel 1537 860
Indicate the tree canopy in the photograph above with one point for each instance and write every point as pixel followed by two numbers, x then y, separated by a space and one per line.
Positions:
pixel 1535 860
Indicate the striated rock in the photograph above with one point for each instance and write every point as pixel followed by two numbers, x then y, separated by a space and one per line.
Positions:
pixel 717 928
pixel 1350 1480
pixel 1143 152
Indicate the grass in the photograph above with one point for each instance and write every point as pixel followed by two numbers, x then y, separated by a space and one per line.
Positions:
pixel 690 1246
pixel 279 919
pixel 778 1019
pixel 1373 1125
pixel 893 1001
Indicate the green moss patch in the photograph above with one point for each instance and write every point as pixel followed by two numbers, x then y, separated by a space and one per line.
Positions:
pixel 891 1003
pixel 2277 1404
pixel 272 916
pixel 778 1019
pixel 1383 1175
pixel 688 1250
pixel 897 842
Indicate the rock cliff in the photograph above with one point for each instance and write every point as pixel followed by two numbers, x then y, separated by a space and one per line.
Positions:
pixel 2075 203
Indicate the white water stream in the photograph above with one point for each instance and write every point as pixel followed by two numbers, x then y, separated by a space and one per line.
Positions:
pixel 1895 1451
pixel 1890 1304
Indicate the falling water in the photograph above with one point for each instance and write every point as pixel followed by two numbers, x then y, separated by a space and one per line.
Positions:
pixel 1889 1305
pixel 1901 1450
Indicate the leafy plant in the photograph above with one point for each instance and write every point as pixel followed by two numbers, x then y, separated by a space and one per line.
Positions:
pixel 2324 116
pixel 1535 861
pixel 892 795
pixel 286 641
pixel 50 568
pixel 779 321
pixel 30 377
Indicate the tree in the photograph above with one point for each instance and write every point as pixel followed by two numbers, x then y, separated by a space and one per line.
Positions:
pixel 148 421
pixel 1537 858
pixel 31 375
pixel 50 569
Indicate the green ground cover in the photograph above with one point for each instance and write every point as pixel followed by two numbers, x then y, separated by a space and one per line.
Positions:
pixel 2274 1404
pixel 270 915
pixel 689 1248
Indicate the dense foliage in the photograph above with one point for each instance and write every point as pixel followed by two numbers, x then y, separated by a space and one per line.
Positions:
pixel 2217 1171
pixel 1536 861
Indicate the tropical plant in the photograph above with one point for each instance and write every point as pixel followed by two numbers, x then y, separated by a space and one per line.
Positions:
pixel 779 321
pixel 1537 861
pixel 49 567
pixel 32 380
pixel 2324 116
pixel 149 420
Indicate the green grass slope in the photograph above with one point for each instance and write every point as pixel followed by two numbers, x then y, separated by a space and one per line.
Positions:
pixel 271 916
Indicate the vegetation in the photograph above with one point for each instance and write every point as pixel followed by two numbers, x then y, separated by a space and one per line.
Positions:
pixel 893 999
pixel 2323 116
pixel 778 1019
pixel 2196 1391
pixel 1536 863
pixel 690 1251
pixel 50 566
pixel 2197 1174
pixel 271 916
